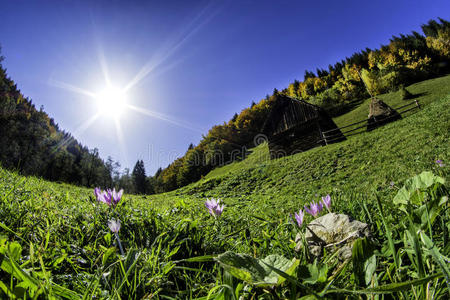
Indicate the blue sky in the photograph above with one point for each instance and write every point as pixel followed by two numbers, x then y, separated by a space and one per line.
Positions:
pixel 188 64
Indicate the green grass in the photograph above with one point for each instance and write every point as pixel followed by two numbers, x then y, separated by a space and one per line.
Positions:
pixel 54 238
pixel 362 163
pixel 369 159
pixel 425 92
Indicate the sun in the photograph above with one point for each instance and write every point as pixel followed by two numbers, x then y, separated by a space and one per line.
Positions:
pixel 111 101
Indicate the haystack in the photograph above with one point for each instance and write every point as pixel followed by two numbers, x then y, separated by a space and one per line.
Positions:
pixel 380 114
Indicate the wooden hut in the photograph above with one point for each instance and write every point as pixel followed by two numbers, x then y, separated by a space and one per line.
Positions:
pixel 294 126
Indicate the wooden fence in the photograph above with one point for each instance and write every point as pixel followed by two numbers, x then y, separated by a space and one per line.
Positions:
pixel 334 134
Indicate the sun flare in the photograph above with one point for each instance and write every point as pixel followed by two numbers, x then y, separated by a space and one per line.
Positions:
pixel 111 102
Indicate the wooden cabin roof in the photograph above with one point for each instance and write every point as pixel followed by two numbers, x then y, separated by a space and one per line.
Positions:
pixel 288 113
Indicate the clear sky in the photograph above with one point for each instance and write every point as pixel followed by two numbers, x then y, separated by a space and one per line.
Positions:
pixel 186 65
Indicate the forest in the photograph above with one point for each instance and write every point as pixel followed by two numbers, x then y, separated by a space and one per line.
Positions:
pixel 33 143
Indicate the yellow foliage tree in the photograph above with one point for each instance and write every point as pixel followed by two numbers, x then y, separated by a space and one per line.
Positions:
pixel 441 43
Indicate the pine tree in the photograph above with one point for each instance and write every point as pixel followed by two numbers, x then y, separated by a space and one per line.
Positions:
pixel 139 178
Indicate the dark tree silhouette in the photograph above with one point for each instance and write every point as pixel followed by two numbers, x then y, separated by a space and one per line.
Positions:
pixel 139 178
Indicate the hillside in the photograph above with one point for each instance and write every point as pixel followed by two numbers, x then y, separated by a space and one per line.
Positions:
pixel 57 239
pixel 63 228
pixel 363 162
pixel 425 92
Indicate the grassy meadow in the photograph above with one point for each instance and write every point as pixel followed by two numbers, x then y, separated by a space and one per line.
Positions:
pixel 55 241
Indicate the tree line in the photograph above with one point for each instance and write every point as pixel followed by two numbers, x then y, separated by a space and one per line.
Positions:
pixel 405 60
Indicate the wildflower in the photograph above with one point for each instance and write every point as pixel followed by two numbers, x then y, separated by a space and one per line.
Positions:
pixel 315 208
pixel 299 217
pixel 440 163
pixel 114 225
pixel 214 207
pixel 327 202
pixel 116 196
pixel 102 196
pixel 108 196
pixel 97 192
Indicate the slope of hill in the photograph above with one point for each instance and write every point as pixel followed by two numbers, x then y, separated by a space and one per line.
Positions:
pixel 361 165
pixel 426 92
pixel 56 236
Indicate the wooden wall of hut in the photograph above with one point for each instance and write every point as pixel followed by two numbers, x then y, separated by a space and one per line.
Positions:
pixel 295 126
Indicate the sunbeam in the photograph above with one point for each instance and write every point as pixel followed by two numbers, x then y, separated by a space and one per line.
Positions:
pixel 79 130
pixel 111 101
pixel 103 64
pixel 183 37
pixel 71 88
pixel 121 140
pixel 164 117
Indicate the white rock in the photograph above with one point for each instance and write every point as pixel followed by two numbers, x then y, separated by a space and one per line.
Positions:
pixel 335 232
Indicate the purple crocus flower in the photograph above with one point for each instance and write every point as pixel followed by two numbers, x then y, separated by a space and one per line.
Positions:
pixel 102 196
pixel 315 208
pixel 299 217
pixel 116 196
pixel 214 207
pixel 97 192
pixel 108 196
pixel 440 163
pixel 327 202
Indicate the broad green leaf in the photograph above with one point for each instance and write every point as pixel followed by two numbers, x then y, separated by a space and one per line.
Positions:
pixel 369 268
pixel 107 238
pixel 312 274
pixel 257 271
pixel 443 200
pixel 412 191
pixel 15 250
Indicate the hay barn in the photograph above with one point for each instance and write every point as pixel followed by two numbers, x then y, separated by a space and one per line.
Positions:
pixel 294 126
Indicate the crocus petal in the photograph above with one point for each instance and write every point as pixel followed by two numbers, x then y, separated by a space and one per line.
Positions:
pixel 116 196
pixel 97 192
pixel 214 207
pixel 114 225
pixel 314 209
pixel 299 217
pixel 327 201
pixel 102 198
pixel 307 210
